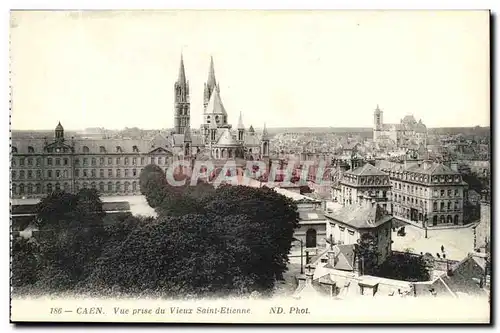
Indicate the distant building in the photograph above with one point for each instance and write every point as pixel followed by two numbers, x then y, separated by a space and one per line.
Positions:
pixel 407 132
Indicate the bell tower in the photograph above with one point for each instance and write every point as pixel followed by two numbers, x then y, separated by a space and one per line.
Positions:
pixel 182 104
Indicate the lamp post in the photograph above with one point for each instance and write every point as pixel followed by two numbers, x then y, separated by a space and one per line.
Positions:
pixel 301 255
pixel 425 225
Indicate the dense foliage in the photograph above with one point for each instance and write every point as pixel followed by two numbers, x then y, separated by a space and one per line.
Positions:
pixel 407 267
pixel 204 242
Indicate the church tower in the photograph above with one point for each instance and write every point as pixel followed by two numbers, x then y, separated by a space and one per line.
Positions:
pixel 59 132
pixel 182 104
pixel 210 85
pixel 264 150
pixel 377 122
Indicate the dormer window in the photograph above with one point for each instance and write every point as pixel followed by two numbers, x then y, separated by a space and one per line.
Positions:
pixel 31 150
pixel 102 149
pixel 118 149
pixel 135 149
pixel 14 149
pixel 86 149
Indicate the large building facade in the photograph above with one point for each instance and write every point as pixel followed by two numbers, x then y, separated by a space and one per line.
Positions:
pixel 112 166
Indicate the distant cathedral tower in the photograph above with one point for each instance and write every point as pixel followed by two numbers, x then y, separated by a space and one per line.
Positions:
pixel 210 85
pixel 377 123
pixel 182 104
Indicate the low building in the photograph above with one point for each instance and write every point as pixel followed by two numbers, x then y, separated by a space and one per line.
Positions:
pixel 348 224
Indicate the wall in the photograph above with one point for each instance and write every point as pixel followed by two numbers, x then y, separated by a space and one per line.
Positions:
pixel 483 230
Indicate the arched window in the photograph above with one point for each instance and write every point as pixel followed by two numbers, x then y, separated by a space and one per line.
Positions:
pixel 311 238
pixel 455 220
pixel 85 149
pixel 134 186
pixel 442 219
pixel 118 149
pixel 58 187
pixel 38 188
pixel 127 185
pixel 66 187
pixel 49 188
pixel 449 219
pixel 102 149
pixel 93 185
pixel 118 187
pixel 110 187
pixel 135 149
pixel 434 220
pixel 101 187
pixel 93 161
pixel 21 189
pixel 30 188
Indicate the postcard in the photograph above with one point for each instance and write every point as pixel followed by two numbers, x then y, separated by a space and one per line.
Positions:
pixel 250 166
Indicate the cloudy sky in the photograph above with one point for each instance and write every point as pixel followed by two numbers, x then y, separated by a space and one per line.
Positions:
pixel 285 68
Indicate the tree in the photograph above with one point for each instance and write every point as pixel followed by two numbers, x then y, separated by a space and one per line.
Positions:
pixel 366 252
pixel 25 265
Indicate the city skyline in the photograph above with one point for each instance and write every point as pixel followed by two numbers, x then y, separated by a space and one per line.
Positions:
pixel 131 61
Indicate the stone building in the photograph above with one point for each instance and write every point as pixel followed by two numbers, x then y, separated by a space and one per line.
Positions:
pixel 426 191
pixel 407 132
pixel 366 179
pixel 347 225
pixel 112 166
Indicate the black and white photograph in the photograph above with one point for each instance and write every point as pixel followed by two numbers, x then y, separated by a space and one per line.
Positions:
pixel 250 166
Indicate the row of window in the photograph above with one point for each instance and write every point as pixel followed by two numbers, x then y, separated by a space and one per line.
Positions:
pixel 50 174
pixel 85 149
pixel 424 178
pixel 22 161
pixel 117 187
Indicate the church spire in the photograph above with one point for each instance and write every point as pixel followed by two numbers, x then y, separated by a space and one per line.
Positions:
pixel 182 73
pixel 240 122
pixel 211 82
pixel 265 134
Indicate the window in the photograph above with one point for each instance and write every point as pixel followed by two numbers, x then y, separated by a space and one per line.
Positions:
pixel 126 161
pixel 126 172
pixel 160 159
pixel 13 174
pixel 93 161
pixel 118 173
pixel 442 206
pixel 152 160
pixel 102 149
pixel 38 161
pixel 77 161
pixel 101 187
pixel 21 174
pixel 77 186
pixel 118 149
pixel 110 172
pixel 85 173
pixel 49 188
pixel 31 150
pixel 58 173
pixel 442 193
pixel 101 173
pixel 110 187
pixel 134 160
pixel 101 161
pixel 126 187
pixel 449 193
pixel 434 206
pixel 58 161
pixel 58 187
pixel 30 161
pixel 110 161
pixel 93 173
pixel 66 187
pixel 93 185
pixel 118 187
pixel 14 189
pixel 65 161
pixel 14 163
pixel 38 188
pixel 21 189
pixel 38 174
pixel 21 161
pixel 456 192
pixel 142 160
pixel 86 149
pixel 449 205
pixel 77 172
pixel 134 186
pixel 85 161
pixel 135 149
pixel 134 172
pixel 14 149
pixel 118 161
pixel 65 174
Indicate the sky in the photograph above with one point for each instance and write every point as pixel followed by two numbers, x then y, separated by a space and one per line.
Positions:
pixel 283 68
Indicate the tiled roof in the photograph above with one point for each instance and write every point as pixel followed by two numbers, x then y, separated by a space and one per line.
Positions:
pixel 360 216
pixel 366 170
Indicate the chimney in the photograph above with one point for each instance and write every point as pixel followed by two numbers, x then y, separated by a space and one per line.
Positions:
pixel 309 274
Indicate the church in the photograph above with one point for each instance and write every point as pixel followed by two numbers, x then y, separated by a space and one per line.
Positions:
pixel 112 166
